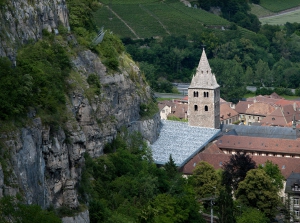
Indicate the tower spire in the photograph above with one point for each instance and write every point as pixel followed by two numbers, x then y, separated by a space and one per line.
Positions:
pixel 204 78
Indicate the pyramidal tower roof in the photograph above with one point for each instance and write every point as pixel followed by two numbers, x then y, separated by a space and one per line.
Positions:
pixel 204 78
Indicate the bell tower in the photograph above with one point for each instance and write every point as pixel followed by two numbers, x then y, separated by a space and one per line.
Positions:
pixel 204 97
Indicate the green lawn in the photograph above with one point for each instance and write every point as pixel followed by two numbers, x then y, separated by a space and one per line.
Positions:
pixel 291 17
pixel 279 5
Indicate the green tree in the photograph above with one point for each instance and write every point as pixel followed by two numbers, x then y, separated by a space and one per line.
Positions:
pixel 171 167
pixel 262 73
pixel 230 77
pixel 274 172
pixel 249 75
pixel 252 215
pixel 225 207
pixel 258 191
pixel 206 180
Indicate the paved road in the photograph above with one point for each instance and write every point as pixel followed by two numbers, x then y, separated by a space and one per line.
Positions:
pixel 168 95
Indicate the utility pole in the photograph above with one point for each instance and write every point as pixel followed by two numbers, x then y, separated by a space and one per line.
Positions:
pixel 211 206
pixel 211 211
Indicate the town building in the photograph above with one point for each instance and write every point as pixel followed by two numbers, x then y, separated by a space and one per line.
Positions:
pixel 293 190
pixel 204 97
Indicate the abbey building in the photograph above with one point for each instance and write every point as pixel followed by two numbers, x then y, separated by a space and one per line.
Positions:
pixel 204 97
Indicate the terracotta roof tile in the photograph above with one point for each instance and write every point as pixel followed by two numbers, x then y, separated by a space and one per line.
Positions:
pixel 282 116
pixel 266 145
pixel 275 96
pixel 286 165
pixel 242 106
pixel 227 112
pixel 260 108
pixel 179 111
pixel 264 99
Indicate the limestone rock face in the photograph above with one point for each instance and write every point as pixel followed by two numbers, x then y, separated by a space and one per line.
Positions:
pixel 44 163
pixel 23 20
pixel 82 217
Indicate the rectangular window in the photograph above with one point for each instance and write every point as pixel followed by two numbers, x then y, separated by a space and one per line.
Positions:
pixel 296 201
pixel 297 213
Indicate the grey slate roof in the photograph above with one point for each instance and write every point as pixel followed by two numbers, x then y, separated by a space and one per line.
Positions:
pixel 260 131
pixel 181 141
pixel 293 178
pixel 204 78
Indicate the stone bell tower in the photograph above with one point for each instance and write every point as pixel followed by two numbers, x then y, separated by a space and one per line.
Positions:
pixel 204 97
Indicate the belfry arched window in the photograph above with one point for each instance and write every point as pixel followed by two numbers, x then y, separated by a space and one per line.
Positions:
pixel 196 107
pixel 205 108
pixel 195 93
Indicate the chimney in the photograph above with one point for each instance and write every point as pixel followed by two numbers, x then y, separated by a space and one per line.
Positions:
pixel 295 106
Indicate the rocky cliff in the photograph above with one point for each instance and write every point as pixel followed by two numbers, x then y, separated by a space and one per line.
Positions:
pixel 43 163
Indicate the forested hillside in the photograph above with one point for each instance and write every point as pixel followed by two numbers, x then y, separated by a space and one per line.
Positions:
pixel 266 56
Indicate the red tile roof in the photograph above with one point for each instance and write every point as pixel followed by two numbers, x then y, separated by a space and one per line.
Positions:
pixel 242 106
pixel 266 145
pixel 264 99
pixel 282 116
pixel 285 164
pixel 227 112
pixel 260 108
pixel 179 111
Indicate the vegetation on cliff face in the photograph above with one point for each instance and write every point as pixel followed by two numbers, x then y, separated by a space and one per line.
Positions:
pixel 126 186
pixel 36 81
pixel 13 210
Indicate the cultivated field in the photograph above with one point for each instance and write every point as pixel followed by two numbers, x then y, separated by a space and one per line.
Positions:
pixel 260 11
pixel 148 18
pixel 279 5
pixel 293 16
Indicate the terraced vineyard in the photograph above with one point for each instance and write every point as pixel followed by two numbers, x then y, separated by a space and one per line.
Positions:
pixel 279 5
pixel 153 18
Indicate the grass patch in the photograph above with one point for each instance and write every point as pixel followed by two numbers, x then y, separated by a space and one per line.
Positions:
pixel 260 11
pixel 291 17
pixel 249 95
pixel 279 5
pixel 289 97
